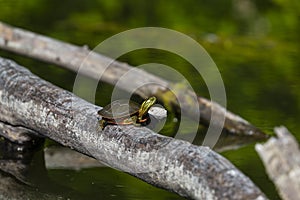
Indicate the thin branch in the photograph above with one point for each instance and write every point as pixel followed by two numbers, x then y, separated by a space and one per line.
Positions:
pixel 191 171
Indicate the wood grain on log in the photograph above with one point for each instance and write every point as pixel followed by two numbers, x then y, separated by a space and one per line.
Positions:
pixel 192 171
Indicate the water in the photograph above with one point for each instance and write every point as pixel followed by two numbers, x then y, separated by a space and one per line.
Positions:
pixel 255 48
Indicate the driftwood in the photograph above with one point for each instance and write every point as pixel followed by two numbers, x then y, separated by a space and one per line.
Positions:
pixel 281 157
pixel 72 57
pixel 191 171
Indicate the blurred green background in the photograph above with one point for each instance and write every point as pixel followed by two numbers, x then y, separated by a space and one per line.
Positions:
pixel 254 43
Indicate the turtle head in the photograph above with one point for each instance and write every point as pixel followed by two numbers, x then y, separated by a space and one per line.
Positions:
pixel 145 106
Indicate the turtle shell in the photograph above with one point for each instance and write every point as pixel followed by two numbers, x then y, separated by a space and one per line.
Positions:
pixel 119 109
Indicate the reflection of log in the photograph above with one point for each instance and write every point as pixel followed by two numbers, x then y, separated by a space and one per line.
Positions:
pixel 71 57
pixel 189 170
pixel 10 188
pixel 65 158
pixel 281 157
pixel 17 151
pixel 22 169
pixel 23 174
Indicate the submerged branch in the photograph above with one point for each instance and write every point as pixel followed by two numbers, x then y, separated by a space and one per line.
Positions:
pixel 192 171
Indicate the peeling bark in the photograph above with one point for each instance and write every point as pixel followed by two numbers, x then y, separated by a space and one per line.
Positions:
pixel 191 171
pixel 72 57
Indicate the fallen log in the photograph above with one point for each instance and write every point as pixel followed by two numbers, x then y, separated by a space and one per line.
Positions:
pixel 191 171
pixel 72 57
pixel 281 157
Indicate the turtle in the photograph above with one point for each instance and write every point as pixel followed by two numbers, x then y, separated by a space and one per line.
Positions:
pixel 125 112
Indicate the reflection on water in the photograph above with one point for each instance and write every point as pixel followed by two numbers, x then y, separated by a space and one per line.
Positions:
pixel 23 175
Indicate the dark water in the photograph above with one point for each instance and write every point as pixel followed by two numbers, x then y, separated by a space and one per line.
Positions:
pixel 255 45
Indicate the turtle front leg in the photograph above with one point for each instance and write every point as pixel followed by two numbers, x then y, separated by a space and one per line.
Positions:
pixel 102 124
pixel 132 120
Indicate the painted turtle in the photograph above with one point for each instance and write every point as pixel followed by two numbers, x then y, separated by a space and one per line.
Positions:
pixel 125 112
